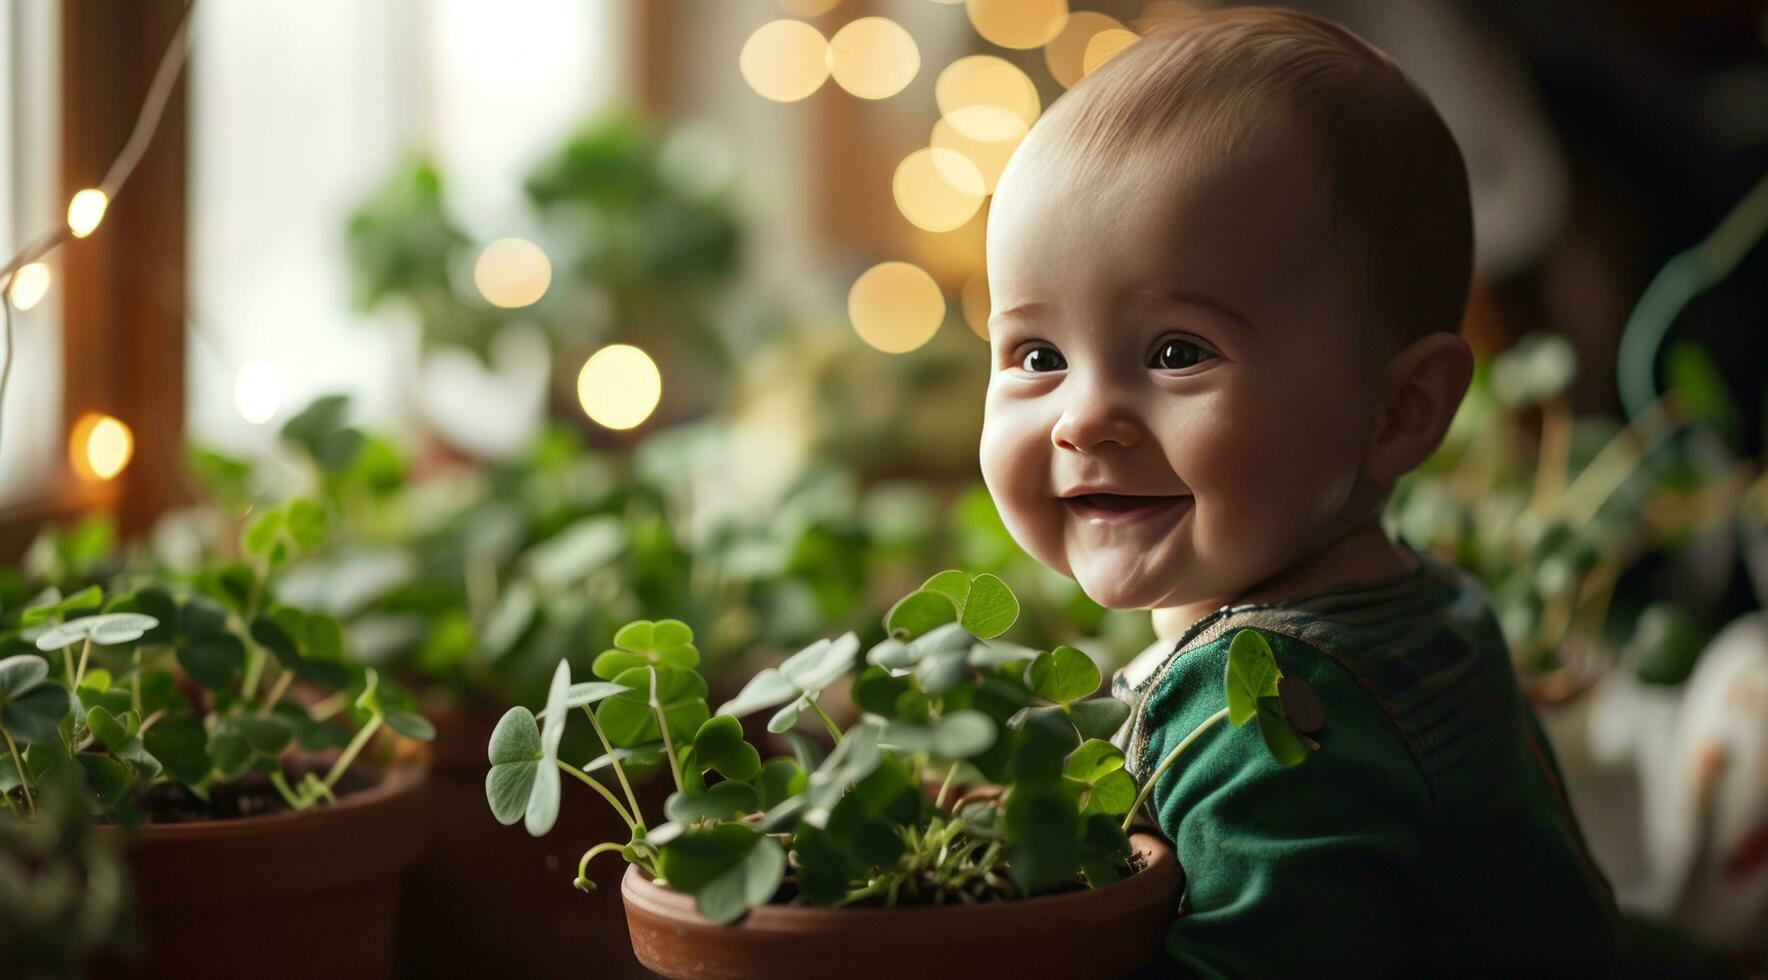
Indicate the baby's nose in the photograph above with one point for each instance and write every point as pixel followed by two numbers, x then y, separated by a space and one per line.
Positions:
pixel 1087 427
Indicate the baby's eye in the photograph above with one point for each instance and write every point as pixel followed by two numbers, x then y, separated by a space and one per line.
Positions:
pixel 1040 359
pixel 1176 355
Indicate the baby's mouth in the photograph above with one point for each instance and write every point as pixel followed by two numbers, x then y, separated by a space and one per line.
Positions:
pixel 1121 507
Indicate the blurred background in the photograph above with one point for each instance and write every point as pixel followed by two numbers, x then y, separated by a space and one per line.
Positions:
pixel 580 310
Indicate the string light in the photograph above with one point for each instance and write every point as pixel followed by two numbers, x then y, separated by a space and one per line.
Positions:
pixel 86 210
pixel 785 60
pixel 512 273
pixel 619 386
pixel 100 446
pixel 895 307
pixel 985 80
pixel 257 392
pixel 873 57
pixel 29 284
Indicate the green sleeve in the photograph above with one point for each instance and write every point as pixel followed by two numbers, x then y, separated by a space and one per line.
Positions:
pixel 1294 872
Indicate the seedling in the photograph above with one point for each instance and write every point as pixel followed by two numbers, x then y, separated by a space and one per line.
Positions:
pixel 1030 798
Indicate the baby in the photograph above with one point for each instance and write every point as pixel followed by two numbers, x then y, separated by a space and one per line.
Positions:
pixel 1228 271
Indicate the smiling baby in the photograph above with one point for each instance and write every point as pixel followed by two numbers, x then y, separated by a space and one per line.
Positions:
pixel 1227 273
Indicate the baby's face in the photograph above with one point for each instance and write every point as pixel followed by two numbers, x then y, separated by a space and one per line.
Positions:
pixel 1181 337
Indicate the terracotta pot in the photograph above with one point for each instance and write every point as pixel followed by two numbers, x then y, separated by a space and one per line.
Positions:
pixel 1101 932
pixel 308 894
pixel 489 900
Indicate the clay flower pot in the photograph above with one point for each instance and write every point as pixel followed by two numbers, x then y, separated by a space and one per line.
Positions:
pixel 1100 932
pixel 309 893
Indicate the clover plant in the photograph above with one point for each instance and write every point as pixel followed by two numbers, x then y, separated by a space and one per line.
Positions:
pixel 188 682
pixel 977 769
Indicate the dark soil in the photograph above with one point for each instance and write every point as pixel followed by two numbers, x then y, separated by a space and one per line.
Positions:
pixel 251 795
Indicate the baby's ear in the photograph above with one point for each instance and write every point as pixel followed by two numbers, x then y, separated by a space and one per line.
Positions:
pixel 1421 388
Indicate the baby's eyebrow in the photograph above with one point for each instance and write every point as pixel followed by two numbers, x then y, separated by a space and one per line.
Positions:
pixel 1205 302
pixel 1021 311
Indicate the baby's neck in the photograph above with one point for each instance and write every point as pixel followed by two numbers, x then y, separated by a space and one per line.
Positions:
pixel 1364 555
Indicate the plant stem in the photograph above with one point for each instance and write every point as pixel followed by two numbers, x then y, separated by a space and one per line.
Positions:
pixel 328 707
pixel 18 763
pixel 351 751
pixel 602 848
pixel 67 666
pixel 276 691
pixel 945 787
pixel 638 818
pixel 663 726
pixel 607 794
pixel 254 670
pixel 1166 763
pixel 135 681
pixel 827 721
pixel 288 795
pixel 85 653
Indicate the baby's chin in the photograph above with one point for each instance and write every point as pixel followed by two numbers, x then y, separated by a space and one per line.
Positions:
pixel 1107 584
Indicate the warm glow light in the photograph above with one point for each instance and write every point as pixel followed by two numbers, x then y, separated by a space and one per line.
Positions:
pixel 807 8
pixel 937 189
pixel 985 80
pixel 958 133
pixel 976 302
pixel 1104 46
pixel 29 284
pixel 785 60
pixel 619 386
pixel 1018 23
pixel 1066 55
pixel 873 58
pixel 895 307
pixel 512 273
pixel 257 391
pixel 85 211
pixel 100 446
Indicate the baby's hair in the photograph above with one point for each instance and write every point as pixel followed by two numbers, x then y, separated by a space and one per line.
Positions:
pixel 1196 83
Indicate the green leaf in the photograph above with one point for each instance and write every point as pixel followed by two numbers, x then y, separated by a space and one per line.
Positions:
pixel 1043 827
pixel 20 673
pixel 951 583
pixel 1098 717
pixel 782 778
pixel 179 742
pixel 1280 736
pixel 265 734
pixel 107 728
pixel 668 643
pixel 113 629
pixel 231 753
pixel 1063 675
pixel 719 745
pixel 766 689
pixel 917 613
pixel 1105 849
pixel 961 734
pixel 1096 771
pixel 260 533
pixel 107 778
pixel 991 608
pixel 1700 389
pixel 515 759
pixel 728 868
pixel 876 690
pixel 36 715
pixel 1251 675
pixel 305 522
pixel 718 802
pixel 573 554
pixel 412 725
pixel 215 661
pixel 516 611
pixel 1042 747
pixel 628 719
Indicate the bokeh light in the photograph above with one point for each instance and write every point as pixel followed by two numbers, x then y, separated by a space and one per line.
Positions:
pixel 808 8
pixel 257 392
pixel 959 131
pixel 619 386
pixel 29 285
pixel 785 60
pixel 1066 55
pixel 1022 24
pixel 512 273
pixel 895 307
pixel 99 447
pixel 1105 45
pixel 937 189
pixel 86 210
pixel 873 58
pixel 976 302
pixel 985 80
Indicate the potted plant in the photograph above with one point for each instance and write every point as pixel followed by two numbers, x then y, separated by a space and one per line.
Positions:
pixel 974 820
pixel 224 738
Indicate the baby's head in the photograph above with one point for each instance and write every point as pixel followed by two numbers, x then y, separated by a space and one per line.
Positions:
pixel 1227 271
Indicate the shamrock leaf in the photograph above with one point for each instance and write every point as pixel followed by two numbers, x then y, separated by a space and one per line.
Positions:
pixel 719 745
pixel 524 779
pixel 959 735
pixel 1252 674
pixel 31 709
pixel 1063 675
pixel 799 680
pixel 629 718
pixel 728 868
pixel 982 604
pixel 666 643
pixel 1096 771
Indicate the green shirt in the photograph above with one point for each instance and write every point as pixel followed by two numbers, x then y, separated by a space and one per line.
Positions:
pixel 1429 832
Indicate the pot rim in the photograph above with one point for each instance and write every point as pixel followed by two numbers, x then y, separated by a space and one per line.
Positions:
pixel 638 890
pixel 396 782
